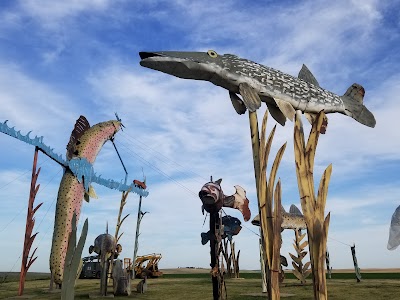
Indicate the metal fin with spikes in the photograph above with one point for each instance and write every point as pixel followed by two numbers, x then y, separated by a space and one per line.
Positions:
pixel 81 167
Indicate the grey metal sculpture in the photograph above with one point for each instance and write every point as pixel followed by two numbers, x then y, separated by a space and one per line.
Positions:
pixel 282 93
pixel 293 219
pixel 394 231
pixel 106 247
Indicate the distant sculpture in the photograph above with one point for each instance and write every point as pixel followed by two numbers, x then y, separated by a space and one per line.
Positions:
pixel 121 280
pixel 142 286
pixel 293 219
pixel 256 83
pixel 394 231
pixel 106 247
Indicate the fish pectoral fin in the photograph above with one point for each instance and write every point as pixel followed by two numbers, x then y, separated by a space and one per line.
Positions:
pixel 306 75
pixel 286 108
pixel 276 114
pixel 250 97
pixel 312 117
pixel 91 193
pixel 237 103
pixel 86 197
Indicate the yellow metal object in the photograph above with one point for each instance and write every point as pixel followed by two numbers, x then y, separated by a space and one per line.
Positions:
pixel 313 207
pixel 150 269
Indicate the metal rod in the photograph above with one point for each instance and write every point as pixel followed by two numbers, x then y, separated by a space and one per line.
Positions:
pixel 126 172
pixel 214 216
pixel 135 249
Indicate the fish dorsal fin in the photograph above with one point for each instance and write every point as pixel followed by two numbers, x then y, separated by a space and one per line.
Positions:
pixel 294 210
pixel 306 75
pixel 237 103
pixel 276 114
pixel 283 209
pixel 250 97
pixel 256 221
pixel 80 127
pixel 286 108
pixel 218 181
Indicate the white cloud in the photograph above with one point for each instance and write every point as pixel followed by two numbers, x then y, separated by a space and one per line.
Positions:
pixel 50 12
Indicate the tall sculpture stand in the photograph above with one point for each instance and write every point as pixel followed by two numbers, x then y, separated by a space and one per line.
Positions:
pixel 30 223
pixel 140 215
pixel 356 268
pixel 268 198
pixel 313 207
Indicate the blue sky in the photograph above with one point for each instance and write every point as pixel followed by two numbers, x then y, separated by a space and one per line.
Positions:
pixel 60 60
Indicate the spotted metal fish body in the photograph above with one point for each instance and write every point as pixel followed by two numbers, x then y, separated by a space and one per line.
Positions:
pixel 293 219
pixel 282 93
pixel 85 142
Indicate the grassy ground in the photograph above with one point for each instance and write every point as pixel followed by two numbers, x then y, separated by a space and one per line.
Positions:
pixel 198 286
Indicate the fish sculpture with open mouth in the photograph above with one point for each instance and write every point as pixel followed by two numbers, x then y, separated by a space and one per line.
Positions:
pixel 283 93
pixel 213 199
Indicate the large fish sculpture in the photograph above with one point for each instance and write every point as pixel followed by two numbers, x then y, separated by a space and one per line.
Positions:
pixel 85 143
pixel 293 219
pixel 283 93
pixel 213 199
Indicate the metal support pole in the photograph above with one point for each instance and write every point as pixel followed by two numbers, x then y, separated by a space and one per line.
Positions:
pixel 139 219
pixel 356 268
pixel 214 216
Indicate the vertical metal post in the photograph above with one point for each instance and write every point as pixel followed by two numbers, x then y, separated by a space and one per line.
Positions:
pixel 139 219
pixel 356 268
pixel 213 251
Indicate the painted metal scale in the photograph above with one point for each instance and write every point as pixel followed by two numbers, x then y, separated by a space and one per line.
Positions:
pixel 80 167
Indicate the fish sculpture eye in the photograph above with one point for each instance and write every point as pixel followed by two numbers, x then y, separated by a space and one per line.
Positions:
pixel 212 53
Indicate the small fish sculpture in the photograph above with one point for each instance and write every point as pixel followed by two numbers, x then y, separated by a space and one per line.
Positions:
pixel 85 142
pixel 293 219
pixel 213 199
pixel 283 93
pixel 231 227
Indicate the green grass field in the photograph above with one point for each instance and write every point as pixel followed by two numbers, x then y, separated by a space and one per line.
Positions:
pixel 198 286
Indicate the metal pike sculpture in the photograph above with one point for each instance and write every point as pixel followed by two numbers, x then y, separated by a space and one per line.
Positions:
pixel 84 145
pixel 283 93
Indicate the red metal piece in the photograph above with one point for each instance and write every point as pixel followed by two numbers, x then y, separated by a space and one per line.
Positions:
pixel 139 184
pixel 30 223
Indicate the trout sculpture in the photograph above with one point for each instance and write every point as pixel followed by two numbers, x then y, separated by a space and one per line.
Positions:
pixel 85 143
pixel 282 93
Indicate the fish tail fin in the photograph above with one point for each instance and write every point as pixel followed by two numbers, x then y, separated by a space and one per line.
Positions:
pixel 205 237
pixel 354 107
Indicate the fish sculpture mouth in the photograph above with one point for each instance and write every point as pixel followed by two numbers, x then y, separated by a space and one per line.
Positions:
pixel 144 55
pixel 179 67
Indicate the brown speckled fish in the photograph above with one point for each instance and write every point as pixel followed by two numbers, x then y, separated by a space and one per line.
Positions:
pixel 85 142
